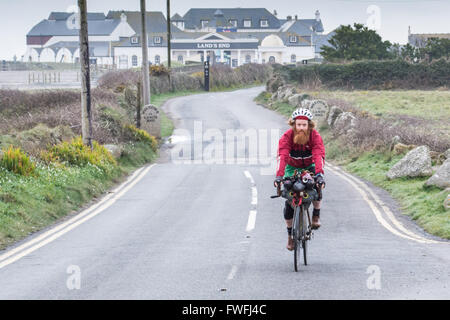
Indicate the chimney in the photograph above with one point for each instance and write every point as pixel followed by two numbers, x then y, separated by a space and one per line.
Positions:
pixel 317 15
pixel 409 31
pixel 275 13
pixel 296 17
pixel 289 18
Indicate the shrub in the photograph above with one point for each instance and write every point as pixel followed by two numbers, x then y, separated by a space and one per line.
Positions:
pixel 372 74
pixel 159 70
pixel 16 161
pixel 140 135
pixel 76 153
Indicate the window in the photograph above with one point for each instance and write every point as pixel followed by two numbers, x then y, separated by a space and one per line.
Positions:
pixel 134 40
pixel 233 22
pixel 248 59
pixel 234 63
pixel 134 61
pixel 157 59
pixel 292 38
pixel 180 58
pixel 264 23
pixel 293 58
pixel 247 23
pixel 204 23
pixel 271 59
pixel 157 40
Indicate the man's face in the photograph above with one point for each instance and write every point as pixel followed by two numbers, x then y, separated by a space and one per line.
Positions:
pixel 301 135
pixel 301 125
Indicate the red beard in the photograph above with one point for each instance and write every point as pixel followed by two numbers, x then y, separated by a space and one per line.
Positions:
pixel 301 137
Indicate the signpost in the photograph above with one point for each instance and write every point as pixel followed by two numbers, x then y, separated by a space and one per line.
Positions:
pixel 206 72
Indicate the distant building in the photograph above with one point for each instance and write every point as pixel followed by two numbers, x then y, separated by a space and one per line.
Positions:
pixel 419 40
pixel 231 36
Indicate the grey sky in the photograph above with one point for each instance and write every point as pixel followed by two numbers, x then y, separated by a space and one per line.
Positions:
pixel 424 16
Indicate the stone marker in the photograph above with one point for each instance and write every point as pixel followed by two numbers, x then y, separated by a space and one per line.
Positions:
pixel 151 120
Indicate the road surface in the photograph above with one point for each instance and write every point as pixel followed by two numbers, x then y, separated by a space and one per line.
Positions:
pixel 207 230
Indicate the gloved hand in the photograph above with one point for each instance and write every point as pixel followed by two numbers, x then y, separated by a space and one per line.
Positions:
pixel 320 181
pixel 277 181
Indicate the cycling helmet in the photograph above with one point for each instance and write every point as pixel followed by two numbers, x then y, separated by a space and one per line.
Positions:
pixel 302 113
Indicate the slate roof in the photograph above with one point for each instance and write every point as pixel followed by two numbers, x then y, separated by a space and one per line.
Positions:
pixel 65 15
pixel 322 40
pixel 155 20
pixel 194 16
pixel 60 28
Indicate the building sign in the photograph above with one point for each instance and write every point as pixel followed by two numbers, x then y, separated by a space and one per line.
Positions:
pixel 213 45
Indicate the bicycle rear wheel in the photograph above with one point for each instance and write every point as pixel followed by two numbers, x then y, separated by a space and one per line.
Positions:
pixel 296 232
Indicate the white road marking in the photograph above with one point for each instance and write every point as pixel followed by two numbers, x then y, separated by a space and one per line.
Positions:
pixel 73 223
pixel 249 176
pixel 251 221
pixel 376 211
pixel 254 196
pixel 232 273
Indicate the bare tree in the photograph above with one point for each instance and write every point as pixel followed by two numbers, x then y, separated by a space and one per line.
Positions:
pixel 86 112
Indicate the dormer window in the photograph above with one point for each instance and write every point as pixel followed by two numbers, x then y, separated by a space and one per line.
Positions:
pixel 134 40
pixel 157 40
pixel 293 39
pixel 247 23
pixel 264 23
pixel 233 22
pixel 204 23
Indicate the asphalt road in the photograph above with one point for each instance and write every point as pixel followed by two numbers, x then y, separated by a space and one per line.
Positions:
pixel 207 230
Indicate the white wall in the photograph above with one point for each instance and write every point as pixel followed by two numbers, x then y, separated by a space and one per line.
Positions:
pixel 129 52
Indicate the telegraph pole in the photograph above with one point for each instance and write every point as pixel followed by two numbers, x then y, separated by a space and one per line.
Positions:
pixel 86 112
pixel 145 66
pixel 169 35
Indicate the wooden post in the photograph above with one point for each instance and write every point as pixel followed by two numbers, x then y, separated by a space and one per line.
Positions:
pixel 169 35
pixel 145 67
pixel 86 119
pixel 138 105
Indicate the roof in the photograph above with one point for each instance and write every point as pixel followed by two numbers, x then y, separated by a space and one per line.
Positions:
pixel 317 26
pixel 194 16
pixel 300 28
pixel 155 20
pixel 61 28
pixel 65 15
pixel 176 17
pixel 322 40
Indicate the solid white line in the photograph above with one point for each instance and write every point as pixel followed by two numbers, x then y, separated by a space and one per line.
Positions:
pixel 377 212
pixel 251 220
pixel 386 210
pixel 72 220
pixel 105 204
pixel 232 273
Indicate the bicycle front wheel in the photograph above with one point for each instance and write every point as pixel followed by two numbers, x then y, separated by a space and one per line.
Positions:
pixel 304 230
pixel 297 234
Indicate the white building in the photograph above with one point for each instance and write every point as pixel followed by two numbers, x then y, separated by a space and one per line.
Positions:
pixel 229 36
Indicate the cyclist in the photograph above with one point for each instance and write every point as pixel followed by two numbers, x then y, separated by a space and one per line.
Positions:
pixel 300 148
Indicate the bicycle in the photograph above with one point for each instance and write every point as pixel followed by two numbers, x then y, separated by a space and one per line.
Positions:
pixel 300 190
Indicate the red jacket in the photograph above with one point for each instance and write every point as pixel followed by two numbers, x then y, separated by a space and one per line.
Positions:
pixel 300 155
